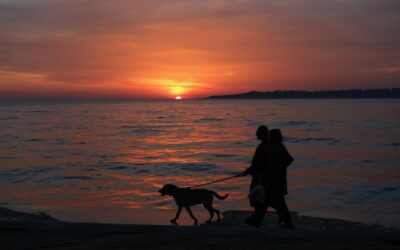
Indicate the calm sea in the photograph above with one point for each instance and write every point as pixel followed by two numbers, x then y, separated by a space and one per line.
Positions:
pixel 105 162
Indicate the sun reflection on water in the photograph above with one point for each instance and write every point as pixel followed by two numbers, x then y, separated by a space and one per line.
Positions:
pixel 119 155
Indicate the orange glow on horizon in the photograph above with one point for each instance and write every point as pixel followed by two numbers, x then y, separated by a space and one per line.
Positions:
pixel 193 49
pixel 173 88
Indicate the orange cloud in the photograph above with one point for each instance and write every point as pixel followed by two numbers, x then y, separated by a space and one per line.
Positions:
pixel 124 49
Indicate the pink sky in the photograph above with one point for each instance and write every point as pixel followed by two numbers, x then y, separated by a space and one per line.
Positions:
pixel 160 49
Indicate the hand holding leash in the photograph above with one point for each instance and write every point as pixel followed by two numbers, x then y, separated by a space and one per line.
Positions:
pixel 244 173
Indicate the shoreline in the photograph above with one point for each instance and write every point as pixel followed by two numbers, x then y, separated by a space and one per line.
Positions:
pixel 24 230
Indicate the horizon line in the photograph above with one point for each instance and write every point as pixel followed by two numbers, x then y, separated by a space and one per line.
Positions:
pixel 127 99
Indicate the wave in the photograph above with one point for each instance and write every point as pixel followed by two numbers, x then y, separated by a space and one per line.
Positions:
pixel 311 140
pixel 117 167
pixel 209 119
pixel 222 155
pixel 8 118
pixel 198 167
pixel 298 123
pixel 145 130
pixel 36 140
pixel 61 141
pixel 18 175
pixel 31 111
pixel 142 171
pixel 6 158
pixel 69 178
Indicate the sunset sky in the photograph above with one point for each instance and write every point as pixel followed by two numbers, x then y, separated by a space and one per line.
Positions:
pixel 164 48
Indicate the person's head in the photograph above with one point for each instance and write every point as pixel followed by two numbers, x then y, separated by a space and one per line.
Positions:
pixel 275 136
pixel 262 133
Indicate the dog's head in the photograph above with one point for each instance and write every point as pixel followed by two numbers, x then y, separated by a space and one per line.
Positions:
pixel 168 189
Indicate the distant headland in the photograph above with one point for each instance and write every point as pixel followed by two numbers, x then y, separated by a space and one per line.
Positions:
pixel 353 93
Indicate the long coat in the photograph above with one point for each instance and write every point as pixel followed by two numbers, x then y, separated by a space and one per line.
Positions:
pixel 276 174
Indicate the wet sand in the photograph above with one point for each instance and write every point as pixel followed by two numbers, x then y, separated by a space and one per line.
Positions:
pixel 40 231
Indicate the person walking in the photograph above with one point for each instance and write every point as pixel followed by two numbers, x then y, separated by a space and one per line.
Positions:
pixel 276 176
pixel 269 169
pixel 257 170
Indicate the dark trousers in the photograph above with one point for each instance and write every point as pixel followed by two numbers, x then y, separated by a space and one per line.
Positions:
pixel 277 202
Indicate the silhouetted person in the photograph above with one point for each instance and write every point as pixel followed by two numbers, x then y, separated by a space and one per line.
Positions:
pixel 278 160
pixel 258 167
pixel 275 180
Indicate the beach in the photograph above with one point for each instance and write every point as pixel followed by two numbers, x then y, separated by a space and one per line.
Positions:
pixel 38 231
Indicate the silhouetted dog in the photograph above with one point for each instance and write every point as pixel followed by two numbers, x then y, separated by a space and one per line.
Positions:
pixel 186 197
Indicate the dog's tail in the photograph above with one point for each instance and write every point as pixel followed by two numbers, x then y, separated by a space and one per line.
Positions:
pixel 219 196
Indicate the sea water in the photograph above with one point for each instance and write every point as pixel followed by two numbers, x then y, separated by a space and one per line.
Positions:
pixel 104 162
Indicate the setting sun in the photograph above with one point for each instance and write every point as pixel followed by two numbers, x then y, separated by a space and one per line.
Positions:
pixel 174 88
pixel 178 98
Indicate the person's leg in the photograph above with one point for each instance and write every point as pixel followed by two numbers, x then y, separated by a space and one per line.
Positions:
pixel 251 218
pixel 260 211
pixel 253 184
pixel 256 218
pixel 273 205
pixel 253 204
pixel 283 211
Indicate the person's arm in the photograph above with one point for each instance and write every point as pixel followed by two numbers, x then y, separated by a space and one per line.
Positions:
pixel 248 170
pixel 252 168
pixel 287 157
pixel 244 173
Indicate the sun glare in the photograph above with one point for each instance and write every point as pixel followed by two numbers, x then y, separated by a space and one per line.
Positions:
pixel 178 98
pixel 175 88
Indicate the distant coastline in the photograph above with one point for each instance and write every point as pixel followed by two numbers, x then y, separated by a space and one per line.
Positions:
pixel 353 93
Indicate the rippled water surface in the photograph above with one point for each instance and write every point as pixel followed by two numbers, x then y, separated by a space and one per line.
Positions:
pixel 106 161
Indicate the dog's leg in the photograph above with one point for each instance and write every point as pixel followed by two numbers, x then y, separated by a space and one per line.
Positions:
pixel 208 206
pixel 177 214
pixel 218 216
pixel 191 215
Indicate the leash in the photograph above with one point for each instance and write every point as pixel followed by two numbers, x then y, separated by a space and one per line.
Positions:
pixel 224 179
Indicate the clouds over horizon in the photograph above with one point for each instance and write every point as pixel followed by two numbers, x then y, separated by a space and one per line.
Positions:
pixel 146 48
